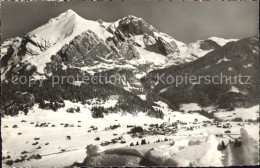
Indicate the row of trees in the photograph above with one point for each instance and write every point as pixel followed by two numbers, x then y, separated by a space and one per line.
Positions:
pixel 54 105
pixel 22 101
pixel 143 142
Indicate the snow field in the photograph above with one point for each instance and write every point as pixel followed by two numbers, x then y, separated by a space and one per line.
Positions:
pixel 14 144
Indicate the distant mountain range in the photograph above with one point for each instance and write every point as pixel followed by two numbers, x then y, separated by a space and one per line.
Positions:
pixel 240 58
pixel 130 41
pixel 132 48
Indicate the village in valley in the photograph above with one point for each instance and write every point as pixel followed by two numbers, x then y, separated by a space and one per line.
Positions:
pixel 39 135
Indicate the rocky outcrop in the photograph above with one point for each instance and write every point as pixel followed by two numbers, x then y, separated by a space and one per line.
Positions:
pixel 128 51
pixel 141 34
pixel 85 49
pixel 88 49
pixel 148 40
pixel 120 36
pixel 167 47
pixel 208 45
pixel 143 40
pixel 132 25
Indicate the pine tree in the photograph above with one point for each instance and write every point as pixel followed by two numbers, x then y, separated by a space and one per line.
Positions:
pixel 26 110
pixel 223 146
pixel 143 142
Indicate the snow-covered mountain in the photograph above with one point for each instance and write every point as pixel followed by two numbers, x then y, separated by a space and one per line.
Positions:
pixel 223 65
pixel 77 42
pixel 137 120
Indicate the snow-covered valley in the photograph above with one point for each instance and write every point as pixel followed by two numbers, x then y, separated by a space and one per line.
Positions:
pixel 61 138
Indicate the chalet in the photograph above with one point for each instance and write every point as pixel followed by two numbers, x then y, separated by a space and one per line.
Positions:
pixel 68 137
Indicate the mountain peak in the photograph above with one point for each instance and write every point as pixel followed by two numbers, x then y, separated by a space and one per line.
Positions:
pixel 68 14
pixel 48 39
pixel 221 41
pixel 132 17
pixel 70 11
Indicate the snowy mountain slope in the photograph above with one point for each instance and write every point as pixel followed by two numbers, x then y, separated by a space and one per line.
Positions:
pixel 58 32
pixel 130 39
pixel 130 46
pixel 231 60
pixel 202 47
pixel 104 114
pixel 40 44
pixel 221 41
pixel 152 45
pixel 65 25
pixel 148 39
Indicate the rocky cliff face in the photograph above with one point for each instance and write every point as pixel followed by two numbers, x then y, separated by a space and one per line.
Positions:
pixel 167 47
pixel 132 25
pixel 130 41
pixel 142 34
pixel 88 49
pixel 85 49
pixel 131 49
pixel 209 45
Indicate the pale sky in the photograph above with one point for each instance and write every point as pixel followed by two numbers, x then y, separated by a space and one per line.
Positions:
pixel 185 21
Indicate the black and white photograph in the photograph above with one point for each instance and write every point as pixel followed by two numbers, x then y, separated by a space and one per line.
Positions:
pixel 129 83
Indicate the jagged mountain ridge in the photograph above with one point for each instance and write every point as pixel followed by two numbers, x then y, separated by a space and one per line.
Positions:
pixel 129 48
pixel 234 59
pixel 130 41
